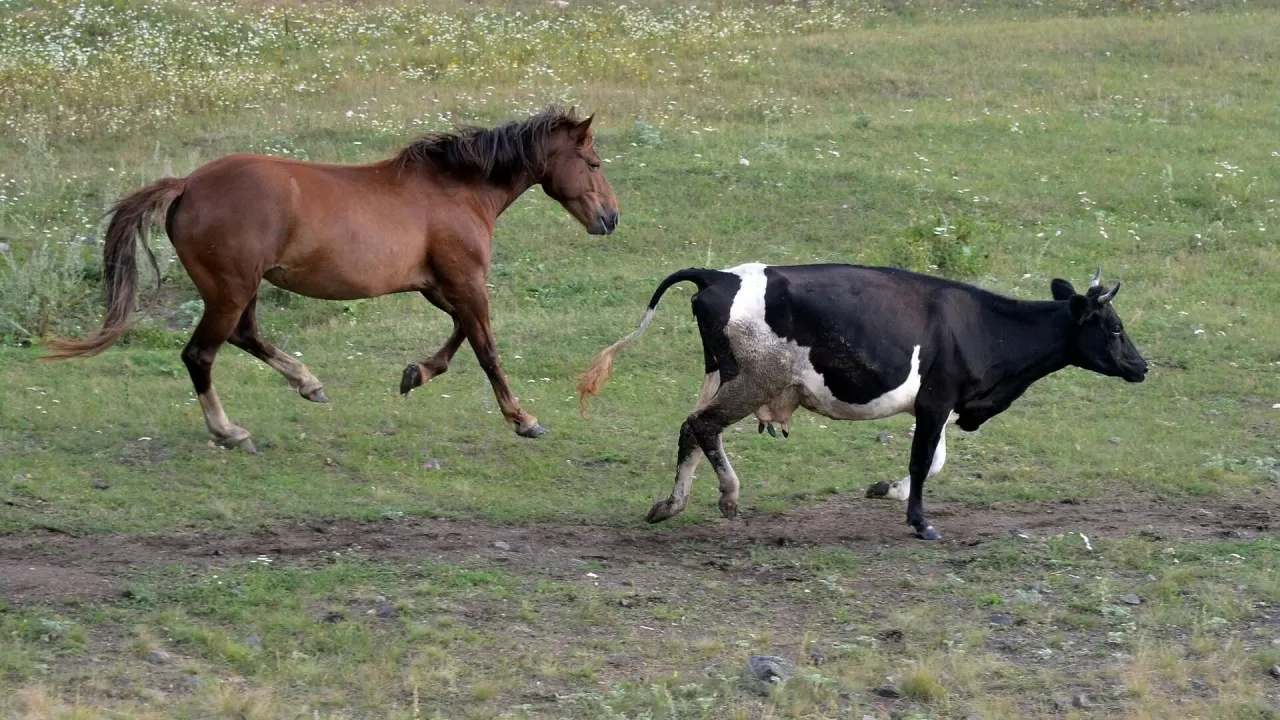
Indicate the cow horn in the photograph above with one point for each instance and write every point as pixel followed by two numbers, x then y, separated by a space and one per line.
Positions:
pixel 1107 297
pixel 1097 278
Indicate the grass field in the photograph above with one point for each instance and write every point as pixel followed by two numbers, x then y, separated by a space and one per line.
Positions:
pixel 411 557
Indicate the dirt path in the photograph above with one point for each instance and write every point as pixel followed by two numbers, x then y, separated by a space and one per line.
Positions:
pixel 44 568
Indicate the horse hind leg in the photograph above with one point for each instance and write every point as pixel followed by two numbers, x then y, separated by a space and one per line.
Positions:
pixel 247 338
pixel 215 327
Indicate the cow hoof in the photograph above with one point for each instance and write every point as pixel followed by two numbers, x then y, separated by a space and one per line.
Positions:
pixel 411 379
pixel 533 431
pixel 929 534
pixel 316 396
pixel 729 508
pixel 878 490
pixel 660 511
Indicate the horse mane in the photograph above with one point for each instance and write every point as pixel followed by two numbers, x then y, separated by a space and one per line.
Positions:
pixel 499 154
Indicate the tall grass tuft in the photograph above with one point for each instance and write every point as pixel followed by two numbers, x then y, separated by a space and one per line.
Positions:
pixel 43 292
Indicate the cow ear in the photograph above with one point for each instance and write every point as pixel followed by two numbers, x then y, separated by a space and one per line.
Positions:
pixel 1061 289
pixel 1080 308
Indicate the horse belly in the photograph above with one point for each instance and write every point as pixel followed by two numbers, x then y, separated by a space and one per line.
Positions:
pixel 349 266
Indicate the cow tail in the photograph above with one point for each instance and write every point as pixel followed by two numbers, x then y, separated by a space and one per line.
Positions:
pixel 130 222
pixel 597 374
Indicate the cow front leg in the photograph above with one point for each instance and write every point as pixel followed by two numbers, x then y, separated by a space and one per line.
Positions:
pixel 901 490
pixel 927 449
pixel 687 458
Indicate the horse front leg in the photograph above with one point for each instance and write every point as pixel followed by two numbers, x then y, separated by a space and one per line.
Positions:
pixel 420 372
pixel 472 313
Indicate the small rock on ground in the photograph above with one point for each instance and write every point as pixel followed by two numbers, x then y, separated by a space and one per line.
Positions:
pixel 254 642
pixel 502 545
pixel 1275 671
pixel 387 611
pixel 524 548
pixel 193 682
pixel 333 617
pixel 769 668
pixel 1080 700
pixel 888 691
pixel 1130 599
pixel 100 484
pixel 885 436
pixel 1001 620
pixel 158 657
pixel 816 655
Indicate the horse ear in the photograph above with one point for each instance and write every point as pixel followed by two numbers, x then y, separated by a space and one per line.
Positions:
pixel 580 131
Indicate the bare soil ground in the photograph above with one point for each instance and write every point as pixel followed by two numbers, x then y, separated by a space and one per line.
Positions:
pixel 36 569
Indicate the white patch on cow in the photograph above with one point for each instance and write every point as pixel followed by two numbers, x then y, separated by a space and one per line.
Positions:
pixel 748 304
pixel 757 346
pixel 901 490
pixel 820 399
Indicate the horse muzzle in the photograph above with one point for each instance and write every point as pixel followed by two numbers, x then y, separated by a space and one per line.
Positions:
pixel 605 223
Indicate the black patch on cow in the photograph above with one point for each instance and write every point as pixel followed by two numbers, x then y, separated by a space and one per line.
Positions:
pixel 711 308
pixel 843 327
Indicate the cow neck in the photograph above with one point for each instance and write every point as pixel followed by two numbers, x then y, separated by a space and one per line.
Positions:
pixel 1042 336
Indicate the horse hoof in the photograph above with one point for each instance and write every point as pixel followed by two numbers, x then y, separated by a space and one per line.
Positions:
pixel 929 534
pixel 411 379
pixel 533 431
pixel 317 396
pixel 878 490
pixel 244 443
pixel 659 512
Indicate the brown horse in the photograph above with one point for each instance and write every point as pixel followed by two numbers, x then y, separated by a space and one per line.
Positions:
pixel 421 221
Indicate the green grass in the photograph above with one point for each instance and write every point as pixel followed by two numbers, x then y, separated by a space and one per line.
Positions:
pixel 1044 142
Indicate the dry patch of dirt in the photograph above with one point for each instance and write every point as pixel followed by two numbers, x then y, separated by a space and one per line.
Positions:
pixel 47 568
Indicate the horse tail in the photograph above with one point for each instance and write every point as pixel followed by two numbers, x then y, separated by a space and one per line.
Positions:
pixel 130 222
pixel 597 374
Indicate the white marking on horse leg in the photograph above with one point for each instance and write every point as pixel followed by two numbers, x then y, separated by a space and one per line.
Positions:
pixel 226 432
pixel 299 377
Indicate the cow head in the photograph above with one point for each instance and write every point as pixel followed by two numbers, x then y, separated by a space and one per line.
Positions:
pixel 1099 342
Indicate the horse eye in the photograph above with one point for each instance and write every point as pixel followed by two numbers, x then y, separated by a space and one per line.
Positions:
pixel 594 166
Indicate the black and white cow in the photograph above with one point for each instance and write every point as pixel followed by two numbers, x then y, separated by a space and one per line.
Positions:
pixel 863 343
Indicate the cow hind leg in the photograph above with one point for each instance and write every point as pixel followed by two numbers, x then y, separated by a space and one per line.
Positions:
pixel 687 458
pixel 735 400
